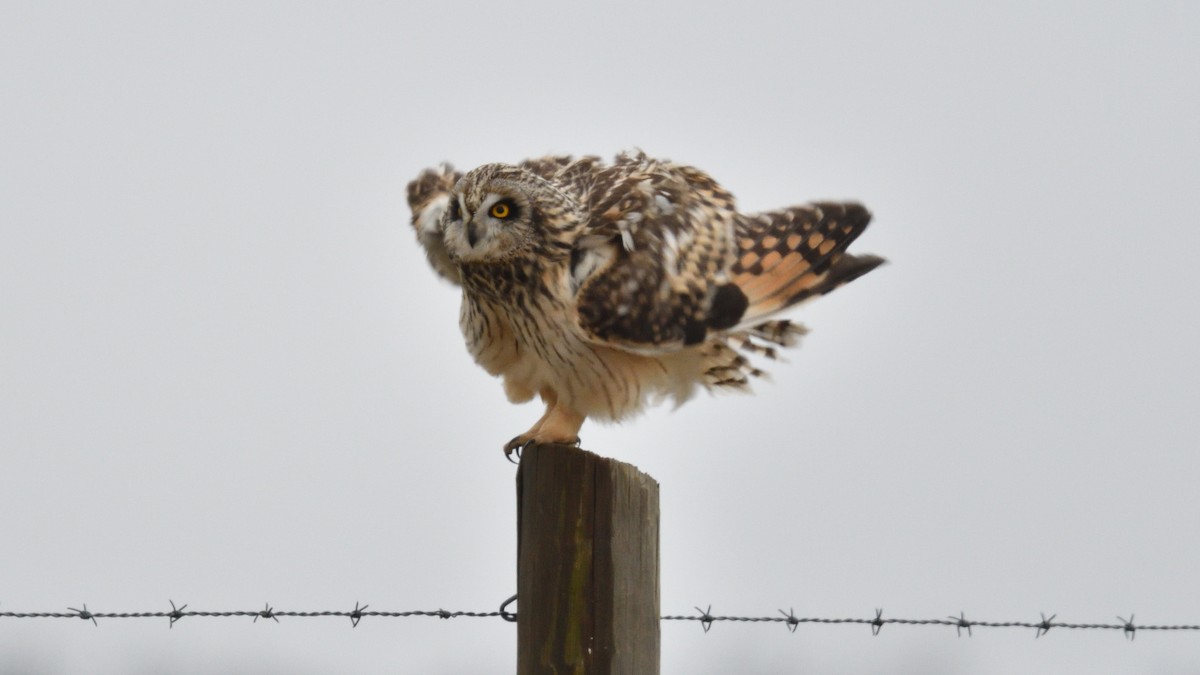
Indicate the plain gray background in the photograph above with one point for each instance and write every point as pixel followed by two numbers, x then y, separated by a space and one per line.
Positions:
pixel 227 376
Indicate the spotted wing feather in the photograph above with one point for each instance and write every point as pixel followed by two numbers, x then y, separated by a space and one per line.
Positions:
pixel 664 234
pixel 788 256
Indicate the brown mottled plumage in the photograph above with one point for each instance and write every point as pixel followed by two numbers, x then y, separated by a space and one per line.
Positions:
pixel 601 288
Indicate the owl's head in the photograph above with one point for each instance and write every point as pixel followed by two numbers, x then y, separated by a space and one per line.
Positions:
pixel 498 211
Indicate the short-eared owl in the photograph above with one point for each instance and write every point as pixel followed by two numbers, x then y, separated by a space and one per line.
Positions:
pixel 604 287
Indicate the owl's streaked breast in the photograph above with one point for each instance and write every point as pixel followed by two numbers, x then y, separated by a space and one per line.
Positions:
pixel 522 327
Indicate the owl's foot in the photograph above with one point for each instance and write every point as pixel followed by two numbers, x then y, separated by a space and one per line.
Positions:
pixel 519 444
pixel 559 425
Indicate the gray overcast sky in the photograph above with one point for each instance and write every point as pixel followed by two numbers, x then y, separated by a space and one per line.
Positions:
pixel 227 376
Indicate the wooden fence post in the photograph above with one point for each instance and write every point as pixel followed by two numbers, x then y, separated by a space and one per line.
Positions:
pixel 587 565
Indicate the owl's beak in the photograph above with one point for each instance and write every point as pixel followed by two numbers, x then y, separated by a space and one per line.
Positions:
pixel 472 233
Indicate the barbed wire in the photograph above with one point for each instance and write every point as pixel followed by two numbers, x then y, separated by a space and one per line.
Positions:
pixel 960 622
pixel 268 612
pixel 705 618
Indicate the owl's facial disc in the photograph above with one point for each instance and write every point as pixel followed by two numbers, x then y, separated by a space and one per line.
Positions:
pixel 491 230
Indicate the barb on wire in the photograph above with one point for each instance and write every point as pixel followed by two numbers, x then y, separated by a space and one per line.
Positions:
pixel 791 619
pixel 961 624
pixel 85 614
pixel 356 615
pixel 1044 626
pixel 266 613
pixel 176 613
pixel 1130 629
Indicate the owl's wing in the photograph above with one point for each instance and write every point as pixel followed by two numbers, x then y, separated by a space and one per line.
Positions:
pixel 786 257
pixel 428 196
pixel 666 259
pixel 650 268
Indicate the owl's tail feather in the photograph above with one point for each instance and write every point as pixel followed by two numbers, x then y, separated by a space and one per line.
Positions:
pixel 765 338
pixel 789 256
pixel 725 361
pixel 724 367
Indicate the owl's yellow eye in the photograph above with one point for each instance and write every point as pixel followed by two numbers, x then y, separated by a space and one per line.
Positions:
pixel 500 210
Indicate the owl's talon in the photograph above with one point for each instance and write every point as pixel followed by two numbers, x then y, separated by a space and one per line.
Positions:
pixel 514 446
